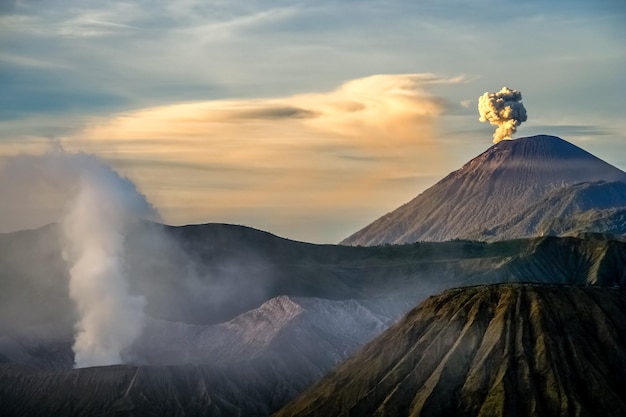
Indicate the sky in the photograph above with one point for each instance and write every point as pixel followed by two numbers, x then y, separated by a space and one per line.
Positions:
pixel 307 119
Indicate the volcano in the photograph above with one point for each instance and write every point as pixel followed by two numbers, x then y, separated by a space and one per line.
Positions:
pixel 254 351
pixel 499 350
pixel 516 188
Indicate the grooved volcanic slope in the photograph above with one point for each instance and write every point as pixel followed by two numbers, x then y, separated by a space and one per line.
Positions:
pixel 490 190
pixel 571 210
pixel 502 350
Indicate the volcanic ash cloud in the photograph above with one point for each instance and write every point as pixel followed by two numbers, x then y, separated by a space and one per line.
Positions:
pixel 503 109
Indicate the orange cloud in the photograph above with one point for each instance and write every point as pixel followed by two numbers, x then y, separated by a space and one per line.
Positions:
pixel 351 153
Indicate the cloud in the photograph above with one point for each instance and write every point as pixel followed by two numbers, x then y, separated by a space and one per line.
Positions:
pixel 7 6
pixel 150 53
pixel 569 130
pixel 29 62
pixel 272 113
pixel 71 19
pixel 394 106
pixel 380 110
pixel 73 58
pixel 296 156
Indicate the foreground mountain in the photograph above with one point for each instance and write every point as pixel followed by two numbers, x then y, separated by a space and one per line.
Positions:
pixel 502 350
pixel 512 190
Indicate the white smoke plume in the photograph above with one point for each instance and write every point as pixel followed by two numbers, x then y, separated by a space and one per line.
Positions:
pixel 95 226
pixel 503 109
pixel 98 209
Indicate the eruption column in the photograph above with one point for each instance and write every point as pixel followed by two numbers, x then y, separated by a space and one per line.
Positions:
pixel 503 109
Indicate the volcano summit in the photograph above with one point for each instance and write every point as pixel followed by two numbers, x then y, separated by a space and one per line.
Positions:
pixel 516 188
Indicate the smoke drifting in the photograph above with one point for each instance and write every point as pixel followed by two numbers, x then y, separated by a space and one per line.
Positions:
pixel 99 208
pixel 503 109
pixel 98 219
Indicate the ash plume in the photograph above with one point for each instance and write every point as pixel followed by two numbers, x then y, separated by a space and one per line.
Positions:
pixel 503 109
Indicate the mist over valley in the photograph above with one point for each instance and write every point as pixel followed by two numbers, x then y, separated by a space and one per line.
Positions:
pixel 110 311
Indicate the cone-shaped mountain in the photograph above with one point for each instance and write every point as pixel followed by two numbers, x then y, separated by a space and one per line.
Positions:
pixel 495 189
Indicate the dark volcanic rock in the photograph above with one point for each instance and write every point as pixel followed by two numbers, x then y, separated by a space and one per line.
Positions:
pixel 502 350
pixel 494 190
pixel 139 391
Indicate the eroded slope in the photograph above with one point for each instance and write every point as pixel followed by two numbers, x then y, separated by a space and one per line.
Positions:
pixel 502 350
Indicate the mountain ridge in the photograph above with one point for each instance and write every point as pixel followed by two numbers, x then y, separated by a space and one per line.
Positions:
pixel 556 213
pixel 317 302
pixel 34 293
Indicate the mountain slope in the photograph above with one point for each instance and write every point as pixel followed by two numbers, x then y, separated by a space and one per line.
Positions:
pixel 314 332
pixel 197 279
pixel 137 392
pixel 260 316
pixel 610 223
pixel 502 350
pixel 569 210
pixel 488 191
pixel 248 366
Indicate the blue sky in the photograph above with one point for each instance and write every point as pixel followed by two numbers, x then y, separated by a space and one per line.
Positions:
pixel 120 78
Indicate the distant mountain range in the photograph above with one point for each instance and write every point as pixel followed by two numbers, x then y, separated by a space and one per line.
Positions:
pixel 532 186
pixel 244 337
pixel 502 350
pixel 212 273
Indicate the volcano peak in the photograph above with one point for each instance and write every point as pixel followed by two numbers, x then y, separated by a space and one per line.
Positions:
pixel 491 189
